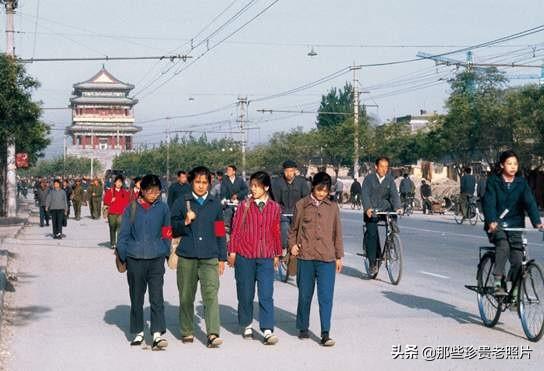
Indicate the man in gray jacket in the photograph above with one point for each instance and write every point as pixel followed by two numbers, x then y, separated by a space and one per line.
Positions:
pixel 379 193
pixel 57 206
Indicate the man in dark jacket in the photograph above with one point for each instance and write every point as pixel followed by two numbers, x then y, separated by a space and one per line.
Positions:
pixel 355 191
pixel 233 189
pixel 42 193
pixel 406 189
pixel 425 192
pixel 468 187
pixel 178 189
pixel 287 191
pixel 379 193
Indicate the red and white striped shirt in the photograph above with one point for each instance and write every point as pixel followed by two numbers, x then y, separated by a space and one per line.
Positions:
pixel 259 236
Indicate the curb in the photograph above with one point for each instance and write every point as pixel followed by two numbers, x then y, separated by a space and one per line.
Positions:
pixel 4 254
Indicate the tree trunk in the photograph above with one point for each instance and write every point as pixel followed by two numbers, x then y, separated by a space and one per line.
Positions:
pixel 3 178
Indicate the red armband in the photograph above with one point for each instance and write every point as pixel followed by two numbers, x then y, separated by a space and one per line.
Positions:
pixel 219 228
pixel 166 233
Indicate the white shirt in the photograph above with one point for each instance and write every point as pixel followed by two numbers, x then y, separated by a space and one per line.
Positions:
pixel 380 179
pixel 204 197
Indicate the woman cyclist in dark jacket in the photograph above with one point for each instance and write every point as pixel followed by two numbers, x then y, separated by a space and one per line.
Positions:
pixel 506 201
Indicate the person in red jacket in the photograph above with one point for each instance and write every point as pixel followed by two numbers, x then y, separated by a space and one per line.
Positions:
pixel 254 251
pixel 115 201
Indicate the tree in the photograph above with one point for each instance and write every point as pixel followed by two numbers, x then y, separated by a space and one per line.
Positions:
pixel 19 118
pixel 336 100
pixel 72 167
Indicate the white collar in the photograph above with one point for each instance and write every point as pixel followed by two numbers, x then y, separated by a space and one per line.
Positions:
pixel 233 179
pixel 380 179
pixel 204 197
pixel 257 202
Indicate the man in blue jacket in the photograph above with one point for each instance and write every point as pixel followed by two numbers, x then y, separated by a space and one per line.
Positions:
pixel 198 219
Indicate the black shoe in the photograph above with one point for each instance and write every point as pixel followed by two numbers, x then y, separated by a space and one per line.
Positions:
pixel 159 343
pixel 138 340
pixel 214 341
pixel 304 334
pixel 326 341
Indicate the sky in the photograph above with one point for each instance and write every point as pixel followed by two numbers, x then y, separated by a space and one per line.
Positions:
pixel 266 56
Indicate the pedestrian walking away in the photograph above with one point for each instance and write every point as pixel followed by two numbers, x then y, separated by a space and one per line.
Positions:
pixel 116 200
pixel 42 193
pixel 254 252
pixel 202 252
pixel 95 198
pixel 316 240
pixel 143 244
pixel 57 206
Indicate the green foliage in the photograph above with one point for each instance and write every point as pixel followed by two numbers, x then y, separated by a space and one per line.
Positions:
pixel 19 115
pixel 73 167
pixel 336 100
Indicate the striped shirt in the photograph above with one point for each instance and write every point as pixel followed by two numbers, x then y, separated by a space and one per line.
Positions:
pixel 258 234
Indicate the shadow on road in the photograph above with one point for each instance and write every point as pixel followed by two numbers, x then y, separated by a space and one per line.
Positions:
pixel 22 316
pixel 352 272
pixel 439 307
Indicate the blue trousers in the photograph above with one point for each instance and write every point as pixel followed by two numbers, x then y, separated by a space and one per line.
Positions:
pixel 44 216
pixel 247 273
pixel 309 272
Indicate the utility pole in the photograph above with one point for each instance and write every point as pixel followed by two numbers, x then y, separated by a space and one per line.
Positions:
pixel 355 121
pixel 64 157
pixel 243 103
pixel 168 154
pixel 11 176
pixel 92 154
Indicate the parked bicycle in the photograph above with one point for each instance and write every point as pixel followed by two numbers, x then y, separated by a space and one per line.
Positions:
pixel 391 252
pixel 526 294
pixel 356 202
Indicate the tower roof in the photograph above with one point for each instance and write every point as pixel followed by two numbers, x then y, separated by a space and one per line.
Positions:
pixel 103 80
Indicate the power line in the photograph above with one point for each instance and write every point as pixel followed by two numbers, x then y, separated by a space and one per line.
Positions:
pixel 107 58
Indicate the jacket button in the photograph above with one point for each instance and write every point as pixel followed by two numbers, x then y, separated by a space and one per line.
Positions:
pixel 200 238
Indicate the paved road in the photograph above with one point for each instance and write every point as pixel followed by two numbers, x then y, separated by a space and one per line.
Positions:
pixel 69 310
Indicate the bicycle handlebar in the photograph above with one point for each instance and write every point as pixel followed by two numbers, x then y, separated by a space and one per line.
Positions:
pixel 385 213
pixel 521 230
pixel 287 214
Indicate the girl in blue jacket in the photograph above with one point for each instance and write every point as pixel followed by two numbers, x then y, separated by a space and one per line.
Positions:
pixel 143 244
pixel 507 198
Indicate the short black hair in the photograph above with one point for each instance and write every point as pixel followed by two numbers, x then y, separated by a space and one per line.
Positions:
pixel 289 164
pixel 219 173
pixel 137 179
pixel 150 181
pixel 468 170
pixel 119 177
pixel 182 172
pixel 233 167
pixel 382 158
pixel 199 171
pixel 57 181
pixel 405 175
pixel 322 179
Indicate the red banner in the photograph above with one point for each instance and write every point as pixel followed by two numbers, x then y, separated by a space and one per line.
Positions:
pixel 21 160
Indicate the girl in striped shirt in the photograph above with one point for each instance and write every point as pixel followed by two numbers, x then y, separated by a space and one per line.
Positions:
pixel 254 251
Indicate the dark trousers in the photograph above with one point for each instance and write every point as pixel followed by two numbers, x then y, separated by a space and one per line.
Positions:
pixel 77 209
pixel 508 246
pixel 44 216
pixel 141 274
pixel 310 271
pixel 247 273
pixel 372 238
pixel 427 205
pixel 285 224
pixel 57 217
pixel 95 205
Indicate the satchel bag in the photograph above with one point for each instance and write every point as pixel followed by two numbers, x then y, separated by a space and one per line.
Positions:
pixel 173 257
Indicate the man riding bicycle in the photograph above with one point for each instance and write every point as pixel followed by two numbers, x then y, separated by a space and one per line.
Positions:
pixel 287 191
pixel 379 193
pixel 407 190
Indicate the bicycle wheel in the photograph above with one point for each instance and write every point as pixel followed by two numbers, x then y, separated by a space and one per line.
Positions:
pixel 283 271
pixel 531 302
pixel 473 215
pixel 393 258
pixel 458 215
pixel 488 304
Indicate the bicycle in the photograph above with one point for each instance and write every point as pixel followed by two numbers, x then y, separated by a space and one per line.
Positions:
pixel 526 293
pixel 473 212
pixel 286 260
pixel 390 253
pixel 408 205
pixel 356 202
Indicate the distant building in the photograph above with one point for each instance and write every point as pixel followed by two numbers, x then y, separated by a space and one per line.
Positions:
pixel 416 123
pixel 102 118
